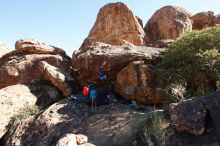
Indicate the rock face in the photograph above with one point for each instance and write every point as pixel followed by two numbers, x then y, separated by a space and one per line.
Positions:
pixel 192 119
pixel 204 19
pixel 109 126
pixel 168 22
pixel 58 78
pixel 21 65
pixel 3 49
pixel 114 25
pixel 198 116
pixel 12 102
pixel 112 58
pixel 137 82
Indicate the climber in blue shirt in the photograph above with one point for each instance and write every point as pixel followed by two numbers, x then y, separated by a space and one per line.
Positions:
pixel 102 74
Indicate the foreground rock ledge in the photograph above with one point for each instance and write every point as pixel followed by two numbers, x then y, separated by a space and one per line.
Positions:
pixel 105 126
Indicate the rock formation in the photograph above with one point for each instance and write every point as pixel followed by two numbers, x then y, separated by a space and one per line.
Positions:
pixel 203 19
pixel 48 127
pixel 168 22
pixel 115 25
pixel 15 98
pixel 58 78
pixel 3 49
pixel 137 82
pixel 193 121
pixel 112 58
pixel 21 65
pixel 193 117
pixel 12 102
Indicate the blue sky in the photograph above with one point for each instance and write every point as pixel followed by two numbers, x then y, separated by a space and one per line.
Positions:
pixel 66 23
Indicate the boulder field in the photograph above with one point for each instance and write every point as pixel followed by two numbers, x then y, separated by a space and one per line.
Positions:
pixel 36 73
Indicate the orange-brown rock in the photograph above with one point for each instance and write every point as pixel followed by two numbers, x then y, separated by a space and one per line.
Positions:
pixel 21 65
pixel 3 49
pixel 169 22
pixel 137 82
pixel 116 24
pixel 58 78
pixel 203 19
pixel 36 47
pixel 112 58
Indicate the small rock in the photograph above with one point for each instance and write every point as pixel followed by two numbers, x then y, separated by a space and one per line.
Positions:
pixel 81 139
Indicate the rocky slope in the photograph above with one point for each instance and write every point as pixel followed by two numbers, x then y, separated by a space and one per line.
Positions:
pixel 106 125
pixel 15 98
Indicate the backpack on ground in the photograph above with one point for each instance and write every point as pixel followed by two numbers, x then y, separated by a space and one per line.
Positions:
pixel 85 90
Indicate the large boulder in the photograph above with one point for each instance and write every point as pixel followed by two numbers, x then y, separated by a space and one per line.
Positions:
pixel 116 24
pixel 137 82
pixel 3 49
pixel 169 22
pixel 194 122
pixel 21 65
pixel 58 78
pixel 112 58
pixel 32 46
pixel 189 116
pixel 203 19
pixel 108 126
pixel 15 98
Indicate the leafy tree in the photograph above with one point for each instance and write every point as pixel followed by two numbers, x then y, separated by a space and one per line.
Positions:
pixel 193 62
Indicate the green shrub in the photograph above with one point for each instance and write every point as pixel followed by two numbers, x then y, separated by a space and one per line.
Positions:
pixel 193 62
pixel 24 113
pixel 152 130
